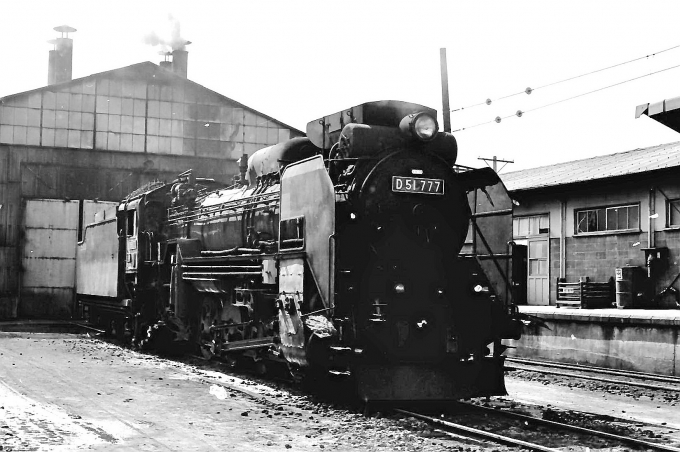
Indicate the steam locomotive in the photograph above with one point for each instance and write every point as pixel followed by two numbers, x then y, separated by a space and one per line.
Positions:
pixel 361 251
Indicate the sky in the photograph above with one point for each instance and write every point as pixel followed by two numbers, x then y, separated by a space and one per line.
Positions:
pixel 298 60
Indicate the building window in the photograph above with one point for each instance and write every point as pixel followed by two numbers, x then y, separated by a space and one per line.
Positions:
pixel 527 226
pixel 673 213
pixel 605 219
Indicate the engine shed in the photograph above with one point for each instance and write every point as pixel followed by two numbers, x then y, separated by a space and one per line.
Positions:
pixel 76 146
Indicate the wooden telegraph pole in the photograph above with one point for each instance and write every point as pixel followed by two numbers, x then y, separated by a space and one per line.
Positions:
pixel 494 162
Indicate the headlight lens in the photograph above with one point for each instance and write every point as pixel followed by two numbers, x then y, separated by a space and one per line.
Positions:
pixel 425 127
pixel 421 126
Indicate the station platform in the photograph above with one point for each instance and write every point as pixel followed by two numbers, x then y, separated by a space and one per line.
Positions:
pixel 629 339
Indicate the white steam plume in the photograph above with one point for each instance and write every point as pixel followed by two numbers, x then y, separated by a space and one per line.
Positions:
pixel 171 41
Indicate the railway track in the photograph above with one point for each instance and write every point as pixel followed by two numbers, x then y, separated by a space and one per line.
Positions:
pixel 629 378
pixel 456 429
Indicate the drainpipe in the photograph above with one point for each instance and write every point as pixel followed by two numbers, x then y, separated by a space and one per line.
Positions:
pixel 563 239
pixel 650 229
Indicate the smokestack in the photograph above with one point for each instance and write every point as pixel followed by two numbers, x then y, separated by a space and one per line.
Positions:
pixel 180 60
pixel 60 65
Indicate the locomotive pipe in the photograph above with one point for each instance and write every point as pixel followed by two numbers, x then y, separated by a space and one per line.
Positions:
pixel 189 274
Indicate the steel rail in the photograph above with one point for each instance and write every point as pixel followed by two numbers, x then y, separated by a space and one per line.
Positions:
pixel 587 431
pixel 595 369
pixel 600 379
pixel 87 327
pixel 480 433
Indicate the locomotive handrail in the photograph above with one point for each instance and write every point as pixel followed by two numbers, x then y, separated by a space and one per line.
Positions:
pixel 231 206
pixel 492 213
pixel 224 206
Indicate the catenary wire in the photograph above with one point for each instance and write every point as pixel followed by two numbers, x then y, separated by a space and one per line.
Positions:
pixel 531 90
pixel 521 113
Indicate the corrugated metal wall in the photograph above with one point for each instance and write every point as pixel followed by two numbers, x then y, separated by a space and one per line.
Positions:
pixel 10 202
pixel 49 258
pixel 28 172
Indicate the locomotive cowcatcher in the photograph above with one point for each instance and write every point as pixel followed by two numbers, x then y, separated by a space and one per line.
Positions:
pixel 361 251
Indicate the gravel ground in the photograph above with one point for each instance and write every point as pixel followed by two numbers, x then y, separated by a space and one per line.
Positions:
pixel 671 398
pixel 75 392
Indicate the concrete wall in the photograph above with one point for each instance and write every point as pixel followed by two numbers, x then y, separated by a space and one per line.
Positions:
pixel 613 340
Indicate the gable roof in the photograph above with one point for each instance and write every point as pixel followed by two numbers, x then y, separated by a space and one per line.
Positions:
pixel 602 167
pixel 149 70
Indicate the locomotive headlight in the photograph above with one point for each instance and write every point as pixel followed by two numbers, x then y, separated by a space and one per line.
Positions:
pixel 399 288
pixel 419 125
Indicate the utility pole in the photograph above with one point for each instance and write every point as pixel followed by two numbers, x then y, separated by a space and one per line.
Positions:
pixel 495 161
pixel 445 91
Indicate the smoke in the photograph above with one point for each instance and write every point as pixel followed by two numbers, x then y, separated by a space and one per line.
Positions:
pixel 172 40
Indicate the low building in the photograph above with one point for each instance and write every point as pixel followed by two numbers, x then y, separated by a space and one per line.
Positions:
pixel 70 145
pixel 588 218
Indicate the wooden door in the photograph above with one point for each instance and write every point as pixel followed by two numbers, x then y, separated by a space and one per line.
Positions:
pixel 538 282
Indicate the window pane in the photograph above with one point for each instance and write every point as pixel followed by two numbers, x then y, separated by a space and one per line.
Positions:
pixel 534 268
pixel 538 250
pixel 634 217
pixel 674 213
pixel 592 221
pixel 601 219
pixel 533 225
pixel 523 226
pixel 612 219
pixel 622 217
pixel 581 225
pixel 515 227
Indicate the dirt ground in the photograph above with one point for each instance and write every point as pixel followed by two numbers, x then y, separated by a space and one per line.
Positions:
pixel 68 392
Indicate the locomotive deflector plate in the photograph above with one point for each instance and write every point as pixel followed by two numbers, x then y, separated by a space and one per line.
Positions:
pixel 307 191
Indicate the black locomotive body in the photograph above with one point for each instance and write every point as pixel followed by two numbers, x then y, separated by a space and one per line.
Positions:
pixel 359 251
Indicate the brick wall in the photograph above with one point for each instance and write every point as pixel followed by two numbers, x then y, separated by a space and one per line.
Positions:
pixel 598 256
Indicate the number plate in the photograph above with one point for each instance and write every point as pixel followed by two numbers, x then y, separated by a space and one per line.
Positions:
pixel 417 185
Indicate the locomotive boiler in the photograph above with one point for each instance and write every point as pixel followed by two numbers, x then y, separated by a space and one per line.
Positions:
pixel 361 251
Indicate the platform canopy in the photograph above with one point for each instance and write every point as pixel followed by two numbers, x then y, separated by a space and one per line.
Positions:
pixel 667 112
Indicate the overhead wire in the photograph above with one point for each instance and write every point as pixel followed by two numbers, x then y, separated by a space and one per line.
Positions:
pixel 521 113
pixel 529 90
